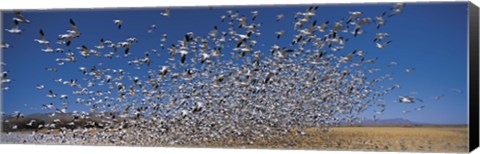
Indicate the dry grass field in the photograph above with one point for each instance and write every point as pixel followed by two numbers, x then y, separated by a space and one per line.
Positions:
pixel 373 138
pixel 368 138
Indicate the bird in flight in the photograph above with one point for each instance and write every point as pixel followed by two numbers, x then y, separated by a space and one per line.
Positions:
pixel 166 13
pixel 42 39
pixel 118 23
pixel 20 18
pixel 407 99
pixel 15 29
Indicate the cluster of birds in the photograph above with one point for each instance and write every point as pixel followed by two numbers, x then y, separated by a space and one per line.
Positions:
pixel 19 18
pixel 217 87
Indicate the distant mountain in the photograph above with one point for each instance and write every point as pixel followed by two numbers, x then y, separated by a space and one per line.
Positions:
pixel 43 116
pixel 395 121
pixel 47 116
pixel 386 122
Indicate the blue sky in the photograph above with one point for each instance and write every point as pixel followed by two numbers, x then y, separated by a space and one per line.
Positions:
pixel 431 37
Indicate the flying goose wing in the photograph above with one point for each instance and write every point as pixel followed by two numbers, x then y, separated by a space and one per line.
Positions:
pixel 73 25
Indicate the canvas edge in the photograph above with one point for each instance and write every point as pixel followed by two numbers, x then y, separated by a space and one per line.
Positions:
pixel 473 20
pixel 1 70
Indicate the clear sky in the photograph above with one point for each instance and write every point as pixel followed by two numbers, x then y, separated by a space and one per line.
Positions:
pixel 430 37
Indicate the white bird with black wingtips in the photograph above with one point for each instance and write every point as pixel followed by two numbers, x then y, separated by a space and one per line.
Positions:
pixel 42 39
pixel 20 18
pixel 14 29
pixel 118 23
pixel 48 49
pixel 383 45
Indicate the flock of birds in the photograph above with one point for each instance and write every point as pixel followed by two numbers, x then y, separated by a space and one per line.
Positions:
pixel 215 87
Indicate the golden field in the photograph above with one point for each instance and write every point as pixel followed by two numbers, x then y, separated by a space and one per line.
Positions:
pixel 352 138
pixel 371 138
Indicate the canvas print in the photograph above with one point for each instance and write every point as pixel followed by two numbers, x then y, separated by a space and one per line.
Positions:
pixel 375 77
